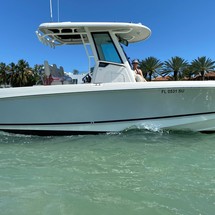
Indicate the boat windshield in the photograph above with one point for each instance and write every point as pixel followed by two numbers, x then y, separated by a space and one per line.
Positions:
pixel 128 58
pixel 105 47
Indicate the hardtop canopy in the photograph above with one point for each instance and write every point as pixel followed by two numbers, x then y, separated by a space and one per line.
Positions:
pixel 70 33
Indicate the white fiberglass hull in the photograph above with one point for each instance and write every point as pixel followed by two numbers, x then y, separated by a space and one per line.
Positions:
pixel 108 107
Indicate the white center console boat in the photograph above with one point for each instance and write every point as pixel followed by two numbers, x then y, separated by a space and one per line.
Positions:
pixel 113 101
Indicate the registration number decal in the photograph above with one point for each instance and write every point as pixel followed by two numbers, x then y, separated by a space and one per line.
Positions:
pixel 171 91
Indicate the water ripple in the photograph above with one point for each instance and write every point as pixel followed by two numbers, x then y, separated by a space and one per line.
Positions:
pixel 133 172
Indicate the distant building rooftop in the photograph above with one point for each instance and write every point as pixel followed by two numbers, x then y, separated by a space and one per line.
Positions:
pixel 161 78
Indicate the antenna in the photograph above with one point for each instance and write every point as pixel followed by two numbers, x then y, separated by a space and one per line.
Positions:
pixel 51 10
pixel 58 5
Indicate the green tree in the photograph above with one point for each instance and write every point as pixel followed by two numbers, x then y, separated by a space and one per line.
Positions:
pixel 188 73
pixel 3 74
pixel 150 66
pixel 20 78
pixel 38 68
pixel 202 65
pixel 75 72
pixel 12 69
pixel 38 73
pixel 177 66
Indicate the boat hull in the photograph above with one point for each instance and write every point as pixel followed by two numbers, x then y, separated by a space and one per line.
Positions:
pixel 95 108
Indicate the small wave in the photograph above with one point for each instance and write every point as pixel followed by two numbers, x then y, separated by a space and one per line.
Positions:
pixel 146 128
pixel 9 134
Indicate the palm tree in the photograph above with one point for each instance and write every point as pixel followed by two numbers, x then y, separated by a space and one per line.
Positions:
pixel 75 72
pixel 175 65
pixel 12 69
pixel 150 66
pixel 3 73
pixel 202 65
pixel 188 73
pixel 38 73
pixel 21 75
pixel 38 68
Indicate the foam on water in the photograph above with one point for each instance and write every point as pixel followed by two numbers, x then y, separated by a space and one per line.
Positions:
pixel 133 172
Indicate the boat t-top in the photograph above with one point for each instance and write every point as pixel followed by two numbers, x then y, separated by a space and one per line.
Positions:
pixel 102 45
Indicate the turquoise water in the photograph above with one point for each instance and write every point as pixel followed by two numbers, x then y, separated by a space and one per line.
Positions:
pixel 135 172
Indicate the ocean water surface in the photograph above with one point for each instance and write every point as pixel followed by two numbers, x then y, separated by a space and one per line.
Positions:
pixel 134 172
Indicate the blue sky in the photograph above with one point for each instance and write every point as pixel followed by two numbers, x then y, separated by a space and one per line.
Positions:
pixel 184 28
